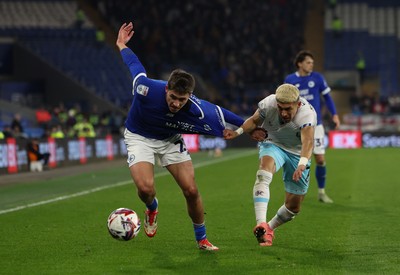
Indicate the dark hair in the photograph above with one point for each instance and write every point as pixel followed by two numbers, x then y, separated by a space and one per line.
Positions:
pixel 301 55
pixel 181 82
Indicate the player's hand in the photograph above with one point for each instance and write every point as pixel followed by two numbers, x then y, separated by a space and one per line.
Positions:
pixel 125 33
pixel 336 120
pixel 229 134
pixel 259 134
pixel 299 171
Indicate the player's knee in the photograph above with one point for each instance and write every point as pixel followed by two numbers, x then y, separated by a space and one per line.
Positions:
pixel 145 188
pixel 191 193
pixel 263 177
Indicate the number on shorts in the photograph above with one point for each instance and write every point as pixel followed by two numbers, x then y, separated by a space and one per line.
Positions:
pixel 318 142
pixel 182 147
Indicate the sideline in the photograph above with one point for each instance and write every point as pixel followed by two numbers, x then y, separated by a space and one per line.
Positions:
pixel 97 189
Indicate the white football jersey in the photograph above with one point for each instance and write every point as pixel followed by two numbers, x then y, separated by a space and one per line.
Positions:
pixel 285 135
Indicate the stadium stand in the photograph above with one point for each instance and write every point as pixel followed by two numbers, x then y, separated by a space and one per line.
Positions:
pixel 238 63
pixel 372 29
pixel 49 29
pixel 242 52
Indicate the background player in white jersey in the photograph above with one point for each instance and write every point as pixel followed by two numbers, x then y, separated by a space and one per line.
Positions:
pixel 312 85
pixel 160 112
pixel 289 122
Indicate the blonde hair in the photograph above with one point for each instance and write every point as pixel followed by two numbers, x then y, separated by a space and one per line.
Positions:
pixel 287 93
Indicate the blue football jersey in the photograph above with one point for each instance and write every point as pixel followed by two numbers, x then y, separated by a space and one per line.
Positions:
pixel 149 115
pixel 311 88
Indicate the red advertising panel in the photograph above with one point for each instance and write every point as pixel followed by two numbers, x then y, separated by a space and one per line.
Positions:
pixel 52 150
pixel 109 147
pixel 82 150
pixel 12 155
pixel 192 142
pixel 345 139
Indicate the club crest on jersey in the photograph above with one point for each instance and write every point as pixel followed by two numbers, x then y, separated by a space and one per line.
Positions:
pixel 131 158
pixel 142 90
pixel 207 127
pixel 311 84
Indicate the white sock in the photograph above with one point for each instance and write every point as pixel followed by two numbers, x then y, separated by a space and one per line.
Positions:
pixel 261 195
pixel 283 215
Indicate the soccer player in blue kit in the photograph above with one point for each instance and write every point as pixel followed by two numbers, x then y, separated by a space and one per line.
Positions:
pixel 312 85
pixel 161 111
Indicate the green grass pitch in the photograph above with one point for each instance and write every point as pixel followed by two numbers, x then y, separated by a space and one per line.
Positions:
pixel 59 226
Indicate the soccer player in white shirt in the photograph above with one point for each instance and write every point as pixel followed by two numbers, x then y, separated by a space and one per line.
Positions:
pixel 288 121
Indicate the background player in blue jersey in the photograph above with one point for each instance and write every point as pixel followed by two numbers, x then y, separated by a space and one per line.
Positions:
pixel 312 86
pixel 161 111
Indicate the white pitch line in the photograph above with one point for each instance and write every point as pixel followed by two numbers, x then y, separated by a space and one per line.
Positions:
pixel 93 190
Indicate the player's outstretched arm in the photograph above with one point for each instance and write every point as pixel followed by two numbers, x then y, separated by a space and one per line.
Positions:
pixel 125 34
pixel 248 126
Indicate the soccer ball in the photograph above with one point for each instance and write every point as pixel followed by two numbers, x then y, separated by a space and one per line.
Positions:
pixel 123 224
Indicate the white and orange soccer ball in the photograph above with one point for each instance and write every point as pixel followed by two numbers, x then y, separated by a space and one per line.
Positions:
pixel 123 224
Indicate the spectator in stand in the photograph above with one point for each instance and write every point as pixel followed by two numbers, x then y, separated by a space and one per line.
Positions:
pixel 71 120
pixel 62 115
pixel 57 132
pixel 360 66
pixel 94 117
pixel 337 26
pixel 43 117
pixel 100 38
pixel 84 129
pixel 79 18
pixel 17 128
pixel 34 154
pixel 7 132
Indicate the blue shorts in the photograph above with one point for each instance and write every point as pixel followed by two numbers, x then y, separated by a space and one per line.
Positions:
pixel 289 163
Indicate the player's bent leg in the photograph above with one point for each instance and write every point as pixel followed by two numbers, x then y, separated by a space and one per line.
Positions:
pixel 283 215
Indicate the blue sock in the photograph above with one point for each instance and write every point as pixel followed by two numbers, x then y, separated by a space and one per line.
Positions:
pixel 320 173
pixel 153 206
pixel 199 231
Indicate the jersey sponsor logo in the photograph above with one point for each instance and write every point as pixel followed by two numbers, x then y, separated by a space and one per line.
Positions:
pixel 305 93
pixel 182 125
pixel 311 84
pixel 142 90
pixel 171 125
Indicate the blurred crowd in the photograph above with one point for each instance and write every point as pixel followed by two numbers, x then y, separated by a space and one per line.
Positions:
pixel 61 122
pixel 243 51
pixel 375 104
